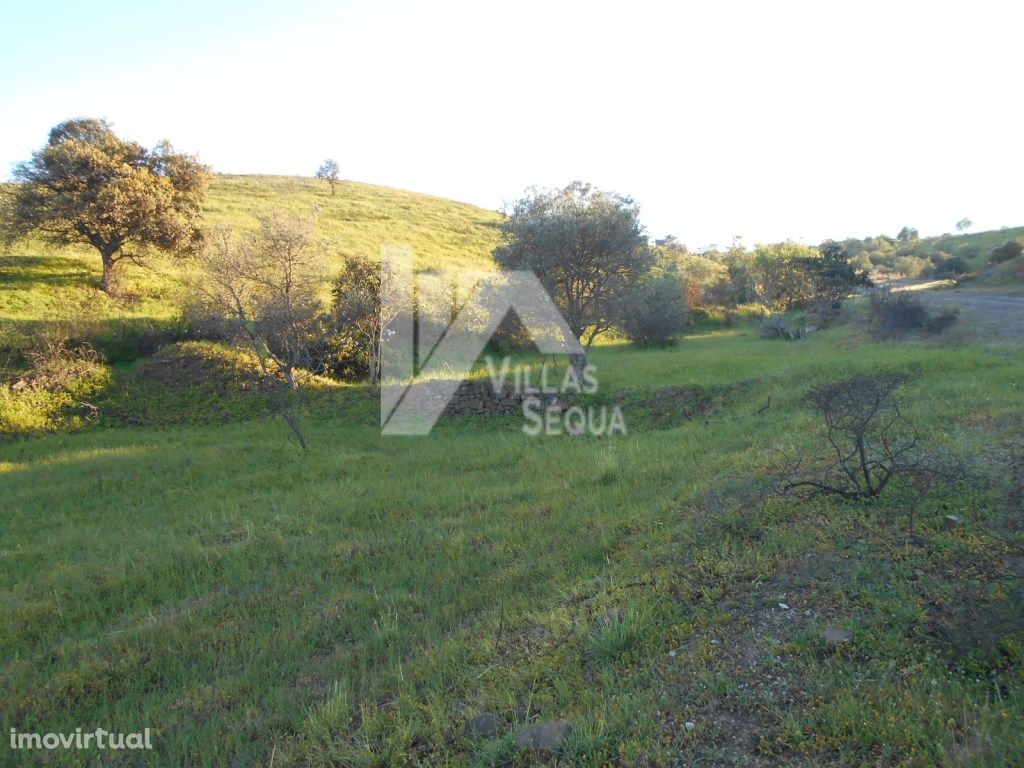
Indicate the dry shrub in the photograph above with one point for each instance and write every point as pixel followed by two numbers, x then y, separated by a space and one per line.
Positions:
pixel 870 443
pixel 893 315
pixel 55 359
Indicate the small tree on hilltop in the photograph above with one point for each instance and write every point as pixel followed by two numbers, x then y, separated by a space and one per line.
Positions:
pixel 585 245
pixel 328 171
pixel 89 186
pixel 964 224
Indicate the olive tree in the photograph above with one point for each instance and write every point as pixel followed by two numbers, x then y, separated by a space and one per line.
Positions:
pixel 655 309
pixel 585 245
pixel 89 186
pixel 780 277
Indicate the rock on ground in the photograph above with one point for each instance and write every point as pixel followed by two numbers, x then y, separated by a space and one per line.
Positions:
pixel 484 726
pixel 837 636
pixel 548 736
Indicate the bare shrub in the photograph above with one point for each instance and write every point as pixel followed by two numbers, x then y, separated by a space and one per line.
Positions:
pixel 264 294
pixel 980 618
pixel 55 358
pixel 731 507
pixel 870 443
pixel 52 376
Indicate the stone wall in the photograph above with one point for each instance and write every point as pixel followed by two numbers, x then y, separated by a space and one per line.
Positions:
pixel 474 397
pixel 471 397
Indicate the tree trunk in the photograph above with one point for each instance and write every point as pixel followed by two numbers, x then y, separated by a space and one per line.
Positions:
pixel 292 420
pixel 376 345
pixel 287 406
pixel 107 281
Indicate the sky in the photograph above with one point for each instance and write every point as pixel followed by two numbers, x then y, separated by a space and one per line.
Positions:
pixel 769 121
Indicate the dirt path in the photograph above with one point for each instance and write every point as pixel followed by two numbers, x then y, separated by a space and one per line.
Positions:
pixel 989 313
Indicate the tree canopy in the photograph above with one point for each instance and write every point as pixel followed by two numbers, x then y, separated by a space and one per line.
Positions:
pixel 907 234
pixel 87 185
pixel 328 171
pixel 832 274
pixel 586 246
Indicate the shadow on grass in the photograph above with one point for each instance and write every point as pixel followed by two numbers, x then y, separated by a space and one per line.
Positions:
pixel 19 273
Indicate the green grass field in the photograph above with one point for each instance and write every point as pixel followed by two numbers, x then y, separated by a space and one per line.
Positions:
pixel 357 604
pixel 177 564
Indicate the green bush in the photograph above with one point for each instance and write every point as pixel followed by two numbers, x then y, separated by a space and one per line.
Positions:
pixel 510 336
pixel 911 266
pixel 655 310
pixel 862 261
pixel 1006 252
pixel 892 315
pixel 752 312
pixel 937 323
pixel 128 341
pixel 952 266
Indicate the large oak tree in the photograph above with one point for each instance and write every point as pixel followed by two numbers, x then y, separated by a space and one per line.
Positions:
pixel 87 185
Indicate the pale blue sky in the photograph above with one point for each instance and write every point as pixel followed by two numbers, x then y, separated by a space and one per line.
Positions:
pixel 767 120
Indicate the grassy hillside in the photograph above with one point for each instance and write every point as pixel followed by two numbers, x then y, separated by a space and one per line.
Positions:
pixel 360 218
pixel 41 286
pixel 358 604
pixel 975 247
pixel 925 256
pixel 40 283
